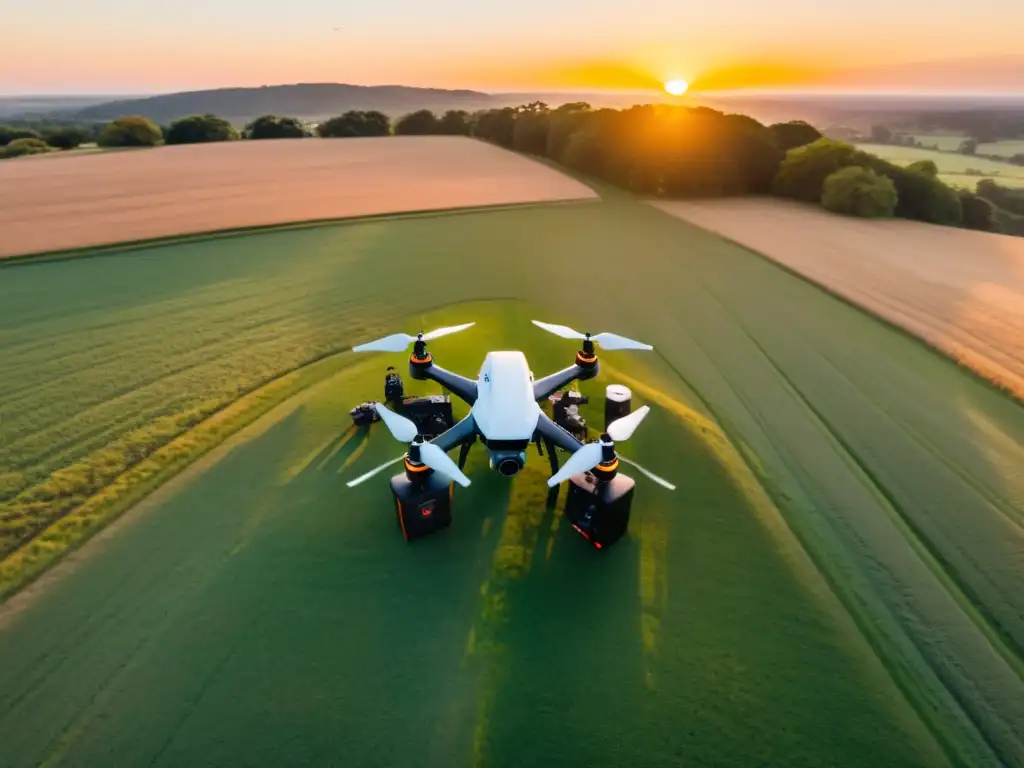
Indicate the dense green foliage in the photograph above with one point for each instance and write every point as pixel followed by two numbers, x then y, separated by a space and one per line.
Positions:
pixel 795 133
pixel 275 127
pixel 1011 200
pixel 978 213
pixel 21 147
pixel 130 131
pixel 832 409
pixel 925 167
pixel 353 124
pixel 9 133
pixel 200 129
pixel 420 123
pixel 858 191
pixel 455 122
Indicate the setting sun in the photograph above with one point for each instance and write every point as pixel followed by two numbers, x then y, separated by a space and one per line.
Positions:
pixel 676 87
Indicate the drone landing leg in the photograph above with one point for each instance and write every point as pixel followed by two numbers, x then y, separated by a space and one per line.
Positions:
pixel 552 457
pixel 464 453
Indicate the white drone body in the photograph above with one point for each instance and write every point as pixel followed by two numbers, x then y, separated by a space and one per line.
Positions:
pixel 505 408
pixel 505 411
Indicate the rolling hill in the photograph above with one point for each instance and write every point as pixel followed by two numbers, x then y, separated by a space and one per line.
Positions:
pixel 311 101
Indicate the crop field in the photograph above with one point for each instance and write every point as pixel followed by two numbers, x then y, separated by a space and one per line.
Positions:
pixel 836 581
pixel 961 291
pixel 100 198
pixel 952 167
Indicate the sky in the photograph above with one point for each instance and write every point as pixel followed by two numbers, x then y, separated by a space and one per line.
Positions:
pixel 132 47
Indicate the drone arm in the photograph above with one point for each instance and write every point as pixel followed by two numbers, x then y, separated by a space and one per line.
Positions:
pixel 463 432
pixel 556 381
pixel 460 386
pixel 556 435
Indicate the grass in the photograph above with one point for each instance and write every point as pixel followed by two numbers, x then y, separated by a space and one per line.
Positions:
pixel 952 167
pixel 252 576
pixel 819 455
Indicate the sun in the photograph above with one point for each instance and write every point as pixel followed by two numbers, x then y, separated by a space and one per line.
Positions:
pixel 676 87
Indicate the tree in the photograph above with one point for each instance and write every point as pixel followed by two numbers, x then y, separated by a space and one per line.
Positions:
pixel 420 123
pixel 9 133
pixel 21 147
pixel 455 122
pixel 200 129
pixel 859 191
pixel 795 133
pixel 978 213
pixel 921 198
pixel 497 125
pixel 67 137
pixel 530 131
pixel 275 127
pixel 354 124
pixel 926 167
pixel 802 174
pixel 563 123
pixel 130 131
pixel 968 147
pixel 1009 199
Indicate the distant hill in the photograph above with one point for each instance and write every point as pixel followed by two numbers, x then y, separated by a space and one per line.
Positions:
pixel 43 105
pixel 311 101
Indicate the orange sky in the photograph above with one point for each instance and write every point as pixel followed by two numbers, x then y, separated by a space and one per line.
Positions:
pixel 536 44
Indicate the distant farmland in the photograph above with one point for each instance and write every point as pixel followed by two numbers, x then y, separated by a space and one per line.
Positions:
pixel 961 291
pixel 92 199
pixel 952 167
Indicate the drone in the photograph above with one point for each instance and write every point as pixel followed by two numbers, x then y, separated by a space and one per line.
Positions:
pixel 505 415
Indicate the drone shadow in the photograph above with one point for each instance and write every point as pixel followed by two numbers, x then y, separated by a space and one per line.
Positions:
pixel 339 452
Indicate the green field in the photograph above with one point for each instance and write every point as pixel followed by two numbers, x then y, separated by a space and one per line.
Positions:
pixel 952 167
pixel 837 580
pixel 946 143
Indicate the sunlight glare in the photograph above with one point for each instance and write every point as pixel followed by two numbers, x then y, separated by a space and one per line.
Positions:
pixel 676 87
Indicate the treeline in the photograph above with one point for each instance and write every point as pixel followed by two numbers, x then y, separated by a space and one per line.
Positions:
pixel 651 150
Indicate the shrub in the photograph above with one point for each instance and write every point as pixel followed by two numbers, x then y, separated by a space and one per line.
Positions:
pixel 455 122
pixel 795 133
pixel 420 123
pixel 67 137
pixel 921 198
pixel 9 133
pixel 978 213
pixel 1011 200
pixel 275 127
pixel 859 191
pixel 21 147
pixel 926 167
pixel 131 131
pixel 200 129
pixel 355 123
pixel 802 173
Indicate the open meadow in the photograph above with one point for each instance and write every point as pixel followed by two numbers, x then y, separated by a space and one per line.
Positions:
pixel 953 168
pixel 837 580
pixel 93 199
pixel 947 143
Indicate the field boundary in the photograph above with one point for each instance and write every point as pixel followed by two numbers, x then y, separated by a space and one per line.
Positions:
pixel 126 246
pixel 833 293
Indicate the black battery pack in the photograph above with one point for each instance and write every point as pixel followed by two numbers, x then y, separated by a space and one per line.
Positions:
pixel 423 506
pixel 599 511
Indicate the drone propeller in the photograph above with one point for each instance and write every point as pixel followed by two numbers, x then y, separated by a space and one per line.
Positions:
pixel 608 341
pixel 405 430
pixel 592 454
pixel 399 342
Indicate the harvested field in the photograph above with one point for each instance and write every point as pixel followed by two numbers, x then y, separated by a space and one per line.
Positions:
pixel 959 290
pixel 93 199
